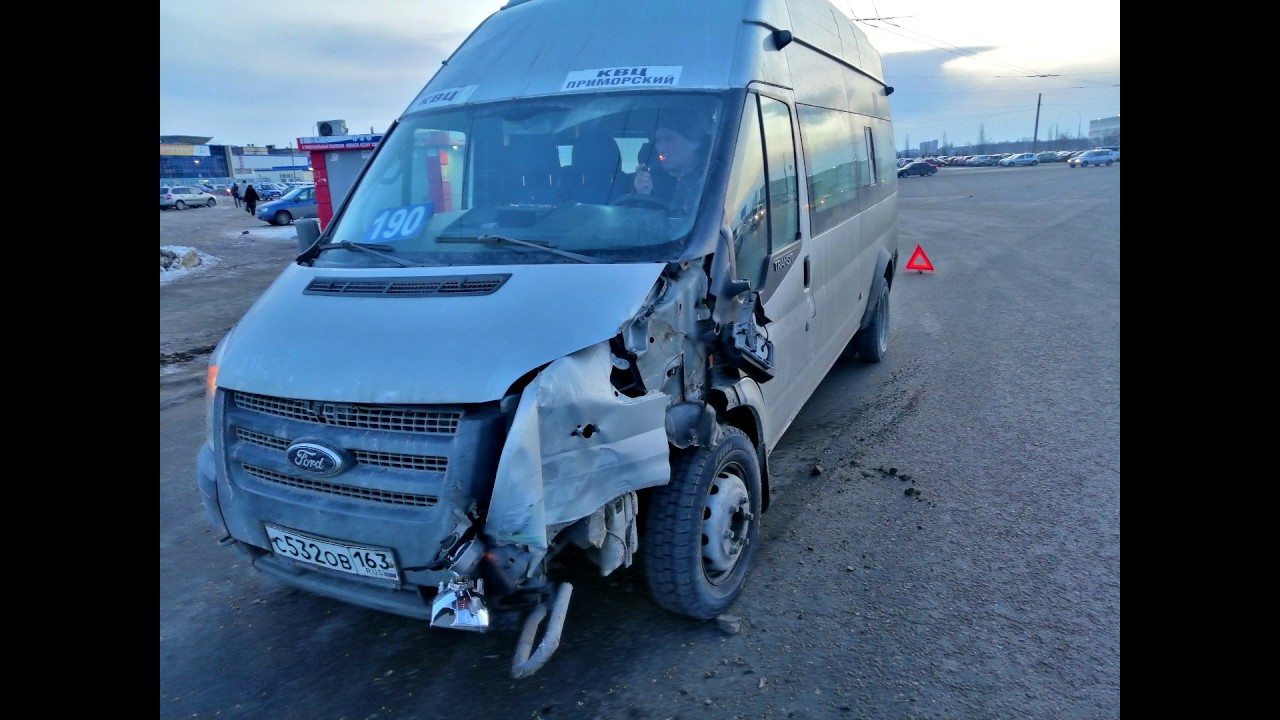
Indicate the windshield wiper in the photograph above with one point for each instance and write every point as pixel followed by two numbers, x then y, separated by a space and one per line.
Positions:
pixel 516 241
pixel 371 249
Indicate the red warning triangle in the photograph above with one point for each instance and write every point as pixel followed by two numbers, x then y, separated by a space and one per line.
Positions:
pixel 919 261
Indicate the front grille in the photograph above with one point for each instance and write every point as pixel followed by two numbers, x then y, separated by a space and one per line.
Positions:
pixel 398 457
pixel 404 461
pixel 364 417
pixel 261 440
pixel 380 496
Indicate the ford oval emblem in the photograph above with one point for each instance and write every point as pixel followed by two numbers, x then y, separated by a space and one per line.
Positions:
pixel 315 458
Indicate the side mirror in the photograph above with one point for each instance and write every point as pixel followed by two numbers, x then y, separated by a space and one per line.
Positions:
pixel 308 231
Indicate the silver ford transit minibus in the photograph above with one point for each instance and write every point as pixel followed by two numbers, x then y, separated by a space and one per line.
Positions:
pixel 572 301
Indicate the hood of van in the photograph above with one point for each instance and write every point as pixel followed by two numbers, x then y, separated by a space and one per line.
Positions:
pixel 423 335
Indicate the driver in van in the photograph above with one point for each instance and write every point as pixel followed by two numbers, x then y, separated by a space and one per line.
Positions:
pixel 679 143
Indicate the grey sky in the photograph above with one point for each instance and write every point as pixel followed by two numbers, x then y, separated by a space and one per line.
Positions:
pixel 264 73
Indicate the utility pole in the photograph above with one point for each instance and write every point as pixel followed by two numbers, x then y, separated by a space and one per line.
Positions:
pixel 1036 132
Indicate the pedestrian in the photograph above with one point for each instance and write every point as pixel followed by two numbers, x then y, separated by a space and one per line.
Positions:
pixel 250 199
pixel 235 193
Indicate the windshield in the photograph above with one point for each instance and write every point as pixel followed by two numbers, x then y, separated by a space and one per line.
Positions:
pixel 616 177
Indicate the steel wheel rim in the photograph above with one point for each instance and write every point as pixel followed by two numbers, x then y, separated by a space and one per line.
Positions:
pixel 726 524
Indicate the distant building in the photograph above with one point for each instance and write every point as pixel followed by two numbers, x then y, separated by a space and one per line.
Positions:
pixel 190 159
pixel 1105 131
pixel 929 148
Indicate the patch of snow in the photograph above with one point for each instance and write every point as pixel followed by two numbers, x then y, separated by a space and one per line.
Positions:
pixel 173 271
pixel 270 231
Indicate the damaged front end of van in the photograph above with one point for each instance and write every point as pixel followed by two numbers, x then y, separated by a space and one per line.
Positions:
pixel 433 504
pixel 440 397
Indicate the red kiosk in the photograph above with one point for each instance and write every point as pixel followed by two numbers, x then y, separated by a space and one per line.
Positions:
pixel 335 162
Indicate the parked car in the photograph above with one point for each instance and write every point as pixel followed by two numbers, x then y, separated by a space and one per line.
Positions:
pixel 1019 159
pixel 1048 156
pixel 296 204
pixel 181 197
pixel 1092 157
pixel 920 167
pixel 269 190
pixel 983 160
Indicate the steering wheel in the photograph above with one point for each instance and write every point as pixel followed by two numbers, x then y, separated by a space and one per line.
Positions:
pixel 638 200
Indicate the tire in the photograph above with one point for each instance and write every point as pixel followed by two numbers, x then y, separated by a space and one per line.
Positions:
pixel 712 490
pixel 1109 163
pixel 282 217
pixel 1035 163
pixel 211 203
pixel 872 342
pixel 179 205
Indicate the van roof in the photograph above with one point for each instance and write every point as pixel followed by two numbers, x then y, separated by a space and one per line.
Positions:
pixel 658 44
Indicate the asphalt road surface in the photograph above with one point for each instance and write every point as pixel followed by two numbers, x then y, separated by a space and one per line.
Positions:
pixel 945 542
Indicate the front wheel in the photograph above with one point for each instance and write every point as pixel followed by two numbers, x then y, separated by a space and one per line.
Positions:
pixel 211 203
pixel 282 217
pixel 179 205
pixel 1108 163
pixel 703 527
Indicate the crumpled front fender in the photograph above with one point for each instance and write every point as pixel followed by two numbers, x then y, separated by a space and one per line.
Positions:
pixel 575 443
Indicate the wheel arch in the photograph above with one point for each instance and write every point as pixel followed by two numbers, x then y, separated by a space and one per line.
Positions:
pixel 739 406
pixel 885 267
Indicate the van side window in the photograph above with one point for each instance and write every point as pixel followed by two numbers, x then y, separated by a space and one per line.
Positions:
pixel 747 199
pixel 873 170
pixel 784 210
pixel 882 135
pixel 831 159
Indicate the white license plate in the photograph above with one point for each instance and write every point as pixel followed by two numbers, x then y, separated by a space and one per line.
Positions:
pixel 371 562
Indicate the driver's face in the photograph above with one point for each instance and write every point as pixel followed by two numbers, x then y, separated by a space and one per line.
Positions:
pixel 674 151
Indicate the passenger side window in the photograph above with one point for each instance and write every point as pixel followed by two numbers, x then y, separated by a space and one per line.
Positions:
pixel 748 198
pixel 780 149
